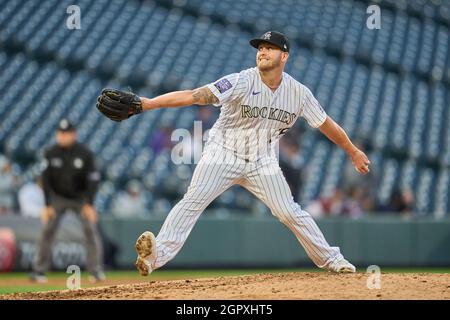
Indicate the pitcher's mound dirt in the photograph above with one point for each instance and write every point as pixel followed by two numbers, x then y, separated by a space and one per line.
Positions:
pixel 299 285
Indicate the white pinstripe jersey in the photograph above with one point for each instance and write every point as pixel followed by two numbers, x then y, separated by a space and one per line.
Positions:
pixel 253 118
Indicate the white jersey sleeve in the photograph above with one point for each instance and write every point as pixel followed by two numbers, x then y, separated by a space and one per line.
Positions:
pixel 311 110
pixel 229 88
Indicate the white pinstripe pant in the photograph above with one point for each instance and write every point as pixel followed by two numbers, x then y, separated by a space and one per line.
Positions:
pixel 264 179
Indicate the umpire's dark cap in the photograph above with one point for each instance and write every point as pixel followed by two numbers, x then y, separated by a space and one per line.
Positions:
pixel 65 126
pixel 274 37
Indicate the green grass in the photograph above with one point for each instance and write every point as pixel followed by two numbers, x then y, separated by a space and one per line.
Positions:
pixel 15 282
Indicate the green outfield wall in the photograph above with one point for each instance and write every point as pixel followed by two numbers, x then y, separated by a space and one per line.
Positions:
pixel 240 241
pixel 245 241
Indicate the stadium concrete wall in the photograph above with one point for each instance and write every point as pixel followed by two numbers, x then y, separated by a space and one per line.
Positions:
pixel 264 242
pixel 244 242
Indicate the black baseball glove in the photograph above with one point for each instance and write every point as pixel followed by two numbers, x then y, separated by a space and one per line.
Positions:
pixel 118 105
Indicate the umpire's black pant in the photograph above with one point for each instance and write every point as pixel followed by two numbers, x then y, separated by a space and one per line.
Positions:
pixel 93 241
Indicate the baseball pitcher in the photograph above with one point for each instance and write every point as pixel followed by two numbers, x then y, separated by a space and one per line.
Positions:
pixel 258 105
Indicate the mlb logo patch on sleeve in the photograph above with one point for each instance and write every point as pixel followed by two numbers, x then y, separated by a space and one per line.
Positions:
pixel 223 85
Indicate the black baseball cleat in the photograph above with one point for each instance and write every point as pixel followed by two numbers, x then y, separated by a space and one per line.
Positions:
pixel 38 277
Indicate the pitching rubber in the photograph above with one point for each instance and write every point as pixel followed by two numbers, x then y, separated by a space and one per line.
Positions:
pixel 146 251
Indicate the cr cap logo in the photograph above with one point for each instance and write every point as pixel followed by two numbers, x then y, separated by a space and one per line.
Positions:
pixel 267 35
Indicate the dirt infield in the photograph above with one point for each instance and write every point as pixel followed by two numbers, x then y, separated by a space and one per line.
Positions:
pixel 300 285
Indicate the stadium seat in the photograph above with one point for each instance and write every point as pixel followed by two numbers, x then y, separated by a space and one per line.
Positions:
pixel 389 88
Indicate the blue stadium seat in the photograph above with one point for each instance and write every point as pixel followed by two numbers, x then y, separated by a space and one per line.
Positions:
pixel 388 88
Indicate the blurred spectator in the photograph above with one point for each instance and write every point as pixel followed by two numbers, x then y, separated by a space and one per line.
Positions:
pixel 207 117
pixel 291 165
pixel 131 203
pixel 360 188
pixel 327 206
pixel 352 203
pixel 8 187
pixel 31 199
pixel 401 201
pixel 160 140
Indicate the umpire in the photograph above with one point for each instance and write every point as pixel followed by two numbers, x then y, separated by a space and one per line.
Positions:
pixel 70 181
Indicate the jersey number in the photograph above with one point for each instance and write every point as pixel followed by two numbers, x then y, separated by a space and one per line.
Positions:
pixel 283 131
